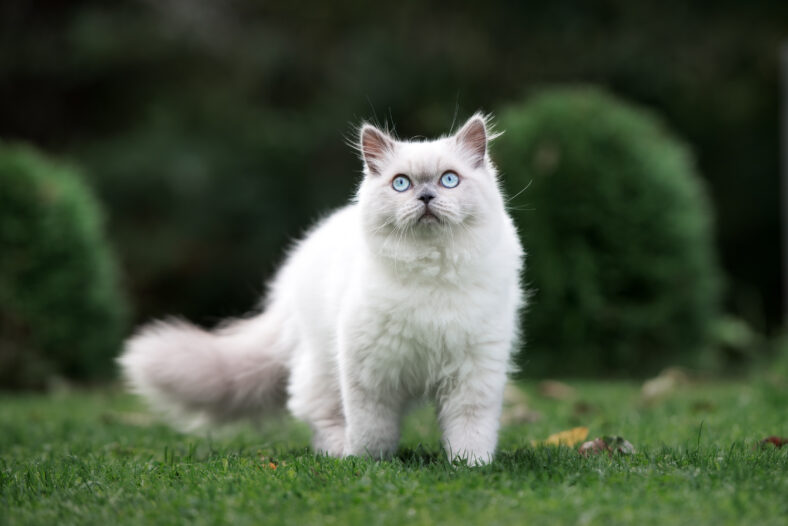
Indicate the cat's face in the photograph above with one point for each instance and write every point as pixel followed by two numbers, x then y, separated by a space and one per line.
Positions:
pixel 424 188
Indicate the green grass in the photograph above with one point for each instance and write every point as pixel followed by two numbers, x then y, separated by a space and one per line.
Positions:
pixel 97 458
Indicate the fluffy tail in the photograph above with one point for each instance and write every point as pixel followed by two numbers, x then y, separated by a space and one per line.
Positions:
pixel 197 376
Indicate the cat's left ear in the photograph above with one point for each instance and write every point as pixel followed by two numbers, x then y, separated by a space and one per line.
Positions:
pixel 375 147
pixel 472 138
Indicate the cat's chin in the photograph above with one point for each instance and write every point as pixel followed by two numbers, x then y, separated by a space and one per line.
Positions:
pixel 429 224
pixel 428 218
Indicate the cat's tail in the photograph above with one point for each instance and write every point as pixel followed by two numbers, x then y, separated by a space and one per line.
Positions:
pixel 197 376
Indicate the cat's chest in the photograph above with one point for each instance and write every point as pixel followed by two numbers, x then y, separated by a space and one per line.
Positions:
pixel 411 337
pixel 409 323
pixel 412 342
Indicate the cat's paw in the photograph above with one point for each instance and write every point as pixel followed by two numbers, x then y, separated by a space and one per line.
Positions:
pixel 472 459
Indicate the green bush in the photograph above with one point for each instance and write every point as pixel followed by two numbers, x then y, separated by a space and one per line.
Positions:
pixel 617 228
pixel 61 311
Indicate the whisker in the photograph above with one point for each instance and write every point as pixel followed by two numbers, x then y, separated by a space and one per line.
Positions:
pixel 382 226
pixel 521 191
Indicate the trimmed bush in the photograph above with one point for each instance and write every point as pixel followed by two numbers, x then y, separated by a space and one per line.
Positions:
pixel 61 311
pixel 617 228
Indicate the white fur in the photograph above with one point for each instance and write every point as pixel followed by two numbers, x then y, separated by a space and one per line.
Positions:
pixel 373 309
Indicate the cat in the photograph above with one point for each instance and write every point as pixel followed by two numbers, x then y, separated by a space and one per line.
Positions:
pixel 412 291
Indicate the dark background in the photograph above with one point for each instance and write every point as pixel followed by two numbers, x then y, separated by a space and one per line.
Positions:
pixel 214 131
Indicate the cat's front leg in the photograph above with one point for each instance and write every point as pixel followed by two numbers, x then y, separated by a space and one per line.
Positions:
pixel 372 414
pixel 469 411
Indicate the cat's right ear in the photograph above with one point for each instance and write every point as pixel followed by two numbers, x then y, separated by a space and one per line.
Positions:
pixel 375 147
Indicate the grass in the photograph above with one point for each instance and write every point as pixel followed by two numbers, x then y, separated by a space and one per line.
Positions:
pixel 98 458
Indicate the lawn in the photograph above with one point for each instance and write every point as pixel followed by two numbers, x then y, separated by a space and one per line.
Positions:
pixel 98 458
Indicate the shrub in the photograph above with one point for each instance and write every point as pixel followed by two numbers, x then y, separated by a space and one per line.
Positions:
pixel 617 229
pixel 61 312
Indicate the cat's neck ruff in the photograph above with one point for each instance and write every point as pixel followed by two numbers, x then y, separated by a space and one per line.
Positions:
pixel 436 253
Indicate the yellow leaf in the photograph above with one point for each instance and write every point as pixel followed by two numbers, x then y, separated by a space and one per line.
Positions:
pixel 570 437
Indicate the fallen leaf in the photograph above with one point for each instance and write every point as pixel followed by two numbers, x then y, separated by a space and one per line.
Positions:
pixel 270 463
pixel 618 444
pixel 556 390
pixel 592 447
pixel 608 444
pixel 570 437
pixel 773 440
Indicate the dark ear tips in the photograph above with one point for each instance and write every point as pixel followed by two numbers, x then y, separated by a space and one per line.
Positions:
pixel 472 138
pixel 375 145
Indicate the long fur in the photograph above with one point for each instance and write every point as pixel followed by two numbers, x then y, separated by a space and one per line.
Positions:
pixel 199 377
pixel 378 305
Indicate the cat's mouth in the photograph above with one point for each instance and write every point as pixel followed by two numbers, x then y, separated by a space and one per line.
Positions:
pixel 428 217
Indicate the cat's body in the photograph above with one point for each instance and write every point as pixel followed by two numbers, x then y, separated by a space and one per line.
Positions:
pixel 379 305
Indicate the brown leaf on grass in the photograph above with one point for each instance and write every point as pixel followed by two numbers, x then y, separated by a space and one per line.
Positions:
pixel 662 385
pixel 618 444
pixel 556 390
pixel 774 441
pixel 270 463
pixel 592 447
pixel 570 437
pixel 607 444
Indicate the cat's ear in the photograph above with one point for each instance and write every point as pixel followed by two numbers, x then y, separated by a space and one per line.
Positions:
pixel 472 139
pixel 375 147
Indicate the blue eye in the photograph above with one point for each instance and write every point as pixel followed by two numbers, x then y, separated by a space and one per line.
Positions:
pixel 400 183
pixel 450 179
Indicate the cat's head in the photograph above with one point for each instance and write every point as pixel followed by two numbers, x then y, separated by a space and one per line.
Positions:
pixel 428 189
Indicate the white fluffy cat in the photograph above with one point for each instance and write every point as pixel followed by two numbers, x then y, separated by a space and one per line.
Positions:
pixel 411 291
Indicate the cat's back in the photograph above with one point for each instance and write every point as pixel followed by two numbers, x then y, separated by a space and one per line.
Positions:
pixel 319 265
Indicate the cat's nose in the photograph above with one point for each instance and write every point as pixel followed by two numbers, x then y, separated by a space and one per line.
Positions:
pixel 426 196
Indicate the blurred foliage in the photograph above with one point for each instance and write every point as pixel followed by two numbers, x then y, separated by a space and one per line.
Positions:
pixel 775 365
pixel 214 131
pixel 618 232
pixel 61 311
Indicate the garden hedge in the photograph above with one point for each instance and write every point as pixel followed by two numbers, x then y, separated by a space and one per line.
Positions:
pixel 618 231
pixel 61 310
